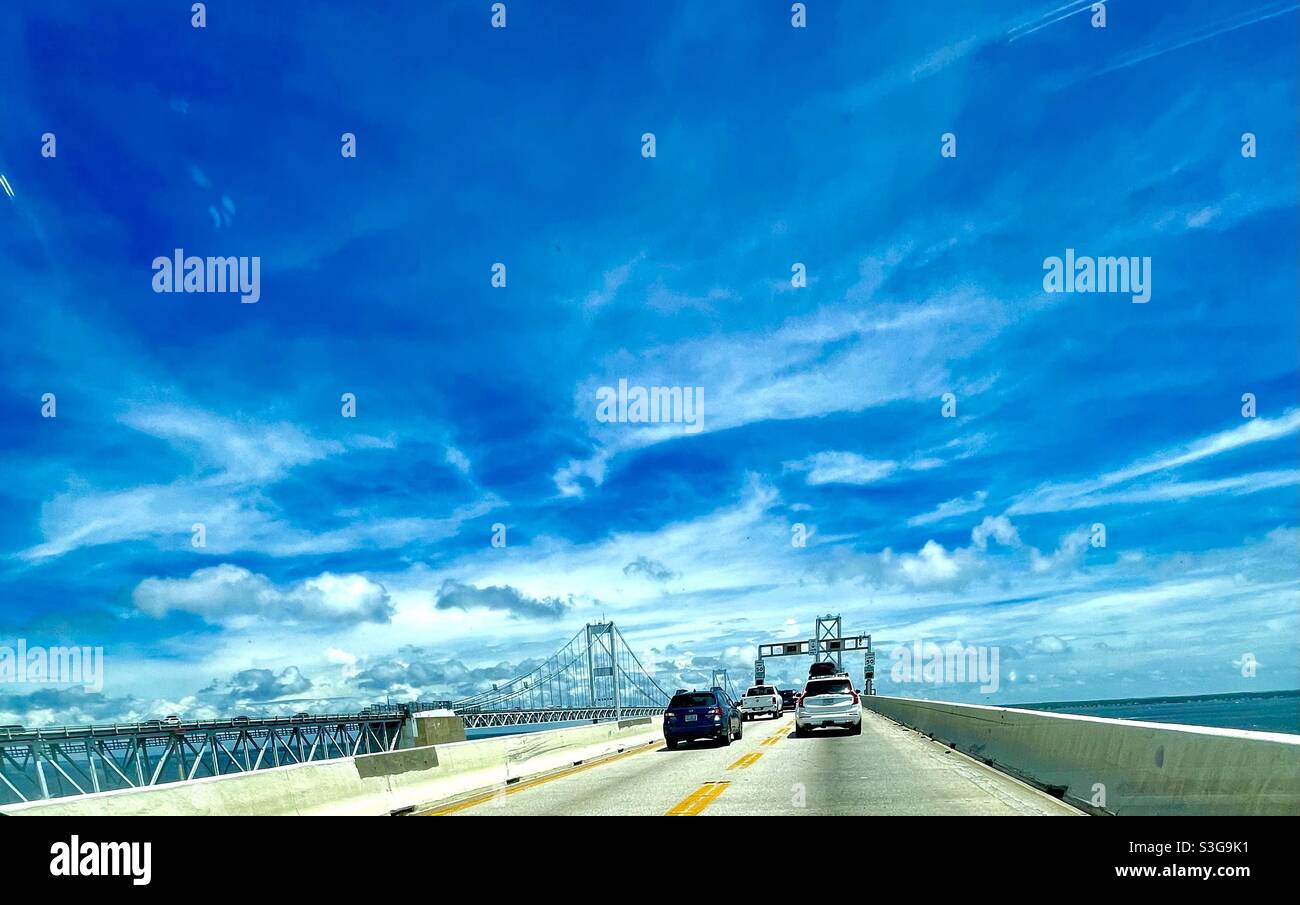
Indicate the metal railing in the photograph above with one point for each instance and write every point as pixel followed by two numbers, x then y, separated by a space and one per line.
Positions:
pixel 37 764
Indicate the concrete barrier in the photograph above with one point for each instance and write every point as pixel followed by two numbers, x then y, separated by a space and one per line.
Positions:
pixel 374 784
pixel 436 727
pixel 1121 767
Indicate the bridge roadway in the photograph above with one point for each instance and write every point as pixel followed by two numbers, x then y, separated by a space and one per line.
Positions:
pixel 886 770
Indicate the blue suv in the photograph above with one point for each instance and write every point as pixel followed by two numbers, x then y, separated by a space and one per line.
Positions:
pixel 693 715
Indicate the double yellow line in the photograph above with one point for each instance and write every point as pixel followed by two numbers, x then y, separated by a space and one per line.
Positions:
pixel 698 800
pixel 701 798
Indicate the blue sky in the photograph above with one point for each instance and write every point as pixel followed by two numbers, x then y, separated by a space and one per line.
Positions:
pixel 350 558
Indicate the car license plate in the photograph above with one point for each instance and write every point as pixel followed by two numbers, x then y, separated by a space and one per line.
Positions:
pixel 691 718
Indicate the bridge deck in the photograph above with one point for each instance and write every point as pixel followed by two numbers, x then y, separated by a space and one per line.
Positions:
pixel 886 770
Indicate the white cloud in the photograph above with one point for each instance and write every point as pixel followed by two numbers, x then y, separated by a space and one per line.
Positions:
pixel 951 509
pixel 884 352
pixel 1049 644
pixel 229 594
pixel 345 660
pixel 567 479
pixel 842 468
pixel 237 452
pixel 1083 494
pixel 457 460
pixel 1068 552
pixel 933 565
pixel 612 282
pixel 234 460
pixel 997 527
pixel 1173 491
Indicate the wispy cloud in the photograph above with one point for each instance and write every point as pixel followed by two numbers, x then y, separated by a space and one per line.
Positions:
pixel 1197 35
pixel 1051 17
pixel 951 509
pixel 234 463
pixel 1082 494
pixel 611 283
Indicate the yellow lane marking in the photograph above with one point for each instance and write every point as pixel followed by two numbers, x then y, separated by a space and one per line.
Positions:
pixel 698 800
pixel 746 761
pixel 534 783
pixel 777 735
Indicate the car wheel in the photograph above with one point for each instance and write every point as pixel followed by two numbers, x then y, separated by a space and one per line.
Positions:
pixel 857 729
pixel 800 732
pixel 672 743
pixel 725 738
pixel 740 731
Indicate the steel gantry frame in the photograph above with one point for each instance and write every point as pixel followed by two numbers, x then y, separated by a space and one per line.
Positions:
pixel 828 643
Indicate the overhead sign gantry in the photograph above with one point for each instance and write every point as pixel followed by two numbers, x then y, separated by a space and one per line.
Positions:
pixel 827 644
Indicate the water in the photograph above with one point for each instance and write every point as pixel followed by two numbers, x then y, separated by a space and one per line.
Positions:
pixel 1270 711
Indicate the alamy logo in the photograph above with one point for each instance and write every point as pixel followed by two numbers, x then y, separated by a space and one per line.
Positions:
pixel 651 405
pixel 194 274
pixel 82 666
pixel 103 859
pixel 1082 273
pixel 924 662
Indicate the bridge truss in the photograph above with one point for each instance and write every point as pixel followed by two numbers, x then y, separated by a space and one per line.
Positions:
pixel 73 760
pixel 493 720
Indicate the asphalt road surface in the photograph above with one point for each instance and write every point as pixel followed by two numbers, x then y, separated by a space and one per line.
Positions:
pixel 886 770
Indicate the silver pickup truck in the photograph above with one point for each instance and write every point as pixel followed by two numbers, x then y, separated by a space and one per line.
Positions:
pixel 759 700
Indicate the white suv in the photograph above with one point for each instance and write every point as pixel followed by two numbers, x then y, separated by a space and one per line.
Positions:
pixel 828 701
pixel 759 700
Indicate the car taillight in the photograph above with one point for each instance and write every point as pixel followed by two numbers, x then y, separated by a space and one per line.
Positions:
pixel 856 700
pixel 717 711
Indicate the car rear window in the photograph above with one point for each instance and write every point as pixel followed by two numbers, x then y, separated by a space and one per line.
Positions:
pixel 828 686
pixel 760 689
pixel 694 699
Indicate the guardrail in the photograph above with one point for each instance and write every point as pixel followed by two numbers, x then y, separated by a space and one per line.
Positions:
pixel 1110 766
